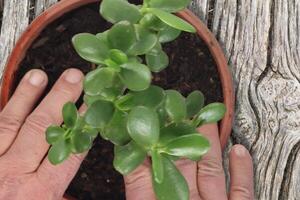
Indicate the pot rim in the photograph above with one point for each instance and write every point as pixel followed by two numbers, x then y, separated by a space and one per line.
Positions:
pixel 65 6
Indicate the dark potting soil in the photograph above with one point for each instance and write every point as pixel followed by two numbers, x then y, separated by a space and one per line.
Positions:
pixel 191 68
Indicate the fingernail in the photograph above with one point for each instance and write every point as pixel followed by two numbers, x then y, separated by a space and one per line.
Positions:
pixel 36 78
pixel 240 151
pixel 73 76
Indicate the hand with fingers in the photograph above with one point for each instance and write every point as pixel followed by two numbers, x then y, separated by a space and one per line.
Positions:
pixel 206 178
pixel 25 173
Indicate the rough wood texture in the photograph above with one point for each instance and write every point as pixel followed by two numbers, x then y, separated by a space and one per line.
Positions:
pixel 262 42
pixel 41 5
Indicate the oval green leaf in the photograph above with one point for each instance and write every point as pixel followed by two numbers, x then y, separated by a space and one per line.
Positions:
pixel 99 79
pixel 122 36
pixel 191 146
pixel 173 131
pixel 70 114
pixel 118 56
pixel 194 102
pixel 175 106
pixel 143 126
pixel 59 152
pixel 135 76
pixel 128 158
pixel 54 133
pixel 116 130
pixel 169 5
pixel 99 114
pixel 211 113
pixel 152 22
pixel 90 48
pixel 81 141
pixel 168 34
pixel 119 10
pixel 172 20
pixel 157 60
pixel 157 166
pixel 151 97
pixel 173 186
pixel 145 41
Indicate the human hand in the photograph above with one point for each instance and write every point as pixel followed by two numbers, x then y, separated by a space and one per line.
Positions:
pixel 25 173
pixel 206 178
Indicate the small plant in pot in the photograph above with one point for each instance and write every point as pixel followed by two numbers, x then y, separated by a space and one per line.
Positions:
pixel 140 119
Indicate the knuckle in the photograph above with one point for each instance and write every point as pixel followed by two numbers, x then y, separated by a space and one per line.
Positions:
pixel 65 90
pixel 139 178
pixel 37 123
pixel 242 192
pixel 210 168
pixel 9 124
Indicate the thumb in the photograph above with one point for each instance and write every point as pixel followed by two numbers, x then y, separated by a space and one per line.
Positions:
pixel 138 184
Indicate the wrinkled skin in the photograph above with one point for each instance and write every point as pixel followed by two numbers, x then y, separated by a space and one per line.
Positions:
pixel 25 172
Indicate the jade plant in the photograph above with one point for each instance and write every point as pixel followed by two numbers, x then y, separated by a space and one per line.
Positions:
pixel 140 119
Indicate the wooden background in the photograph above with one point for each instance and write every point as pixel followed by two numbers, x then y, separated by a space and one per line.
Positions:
pixel 261 39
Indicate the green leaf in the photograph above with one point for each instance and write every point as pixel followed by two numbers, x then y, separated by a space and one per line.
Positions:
pixel 116 130
pixel 151 97
pixel 152 22
pixel 172 20
pixel 168 34
pixel 99 113
pixel 157 60
pixel 135 76
pixel 122 36
pixel 194 103
pixel 90 48
pixel 81 141
pixel 118 56
pixel 54 133
pixel 191 146
pixel 70 114
pixel 211 113
pixel 157 166
pixel 173 131
pixel 145 41
pixel 173 186
pixel 59 152
pixel 127 158
pixel 143 126
pixel 169 5
pixel 175 106
pixel 99 79
pixel 119 10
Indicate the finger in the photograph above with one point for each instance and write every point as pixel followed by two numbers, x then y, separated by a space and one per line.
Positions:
pixel 241 174
pixel 138 184
pixel 188 169
pixel 211 178
pixel 30 146
pixel 20 105
pixel 58 177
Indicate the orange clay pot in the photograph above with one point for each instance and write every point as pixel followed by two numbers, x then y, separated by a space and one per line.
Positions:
pixel 65 6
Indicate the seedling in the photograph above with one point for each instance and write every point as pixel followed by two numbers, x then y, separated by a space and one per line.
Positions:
pixel 140 119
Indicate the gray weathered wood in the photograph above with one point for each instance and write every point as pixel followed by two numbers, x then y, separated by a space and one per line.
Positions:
pixel 15 20
pixel 262 42
pixel 41 5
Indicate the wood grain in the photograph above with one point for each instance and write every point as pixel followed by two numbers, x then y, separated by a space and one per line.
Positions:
pixel 261 40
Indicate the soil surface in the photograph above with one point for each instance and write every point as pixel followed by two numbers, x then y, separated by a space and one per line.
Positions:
pixel 191 68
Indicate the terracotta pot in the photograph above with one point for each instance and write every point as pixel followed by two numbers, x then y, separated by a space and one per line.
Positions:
pixel 65 6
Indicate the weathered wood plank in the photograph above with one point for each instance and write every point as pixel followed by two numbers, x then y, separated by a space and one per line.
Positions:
pixel 42 5
pixel 262 41
pixel 15 20
pixel 200 8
